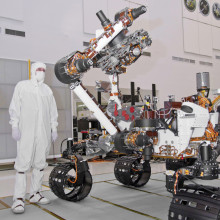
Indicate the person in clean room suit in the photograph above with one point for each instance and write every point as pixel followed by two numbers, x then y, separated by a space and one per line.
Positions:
pixel 33 116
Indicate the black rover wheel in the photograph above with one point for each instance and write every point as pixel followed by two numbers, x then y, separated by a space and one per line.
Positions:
pixel 195 204
pixel 131 171
pixel 65 185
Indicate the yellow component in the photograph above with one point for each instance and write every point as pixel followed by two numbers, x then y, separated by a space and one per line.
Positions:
pixel 187 172
pixel 29 68
pixel 203 92
pixel 92 40
pixel 169 126
pixel 202 174
pixel 147 103
pixel 144 37
pixel 215 101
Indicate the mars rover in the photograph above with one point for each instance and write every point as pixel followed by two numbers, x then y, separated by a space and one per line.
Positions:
pixel 185 134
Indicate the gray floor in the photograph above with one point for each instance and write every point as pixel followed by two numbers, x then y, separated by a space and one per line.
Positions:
pixel 108 200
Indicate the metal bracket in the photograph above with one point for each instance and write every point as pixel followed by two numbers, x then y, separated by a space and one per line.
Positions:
pixel 74 85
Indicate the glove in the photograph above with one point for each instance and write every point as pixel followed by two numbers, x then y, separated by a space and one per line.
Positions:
pixel 16 134
pixel 54 136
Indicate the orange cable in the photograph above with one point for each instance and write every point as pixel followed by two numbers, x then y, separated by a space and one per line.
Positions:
pixel 76 171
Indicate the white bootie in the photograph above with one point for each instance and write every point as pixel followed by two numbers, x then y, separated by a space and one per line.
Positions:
pixel 38 198
pixel 18 206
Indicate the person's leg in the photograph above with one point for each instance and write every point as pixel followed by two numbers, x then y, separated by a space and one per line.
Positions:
pixel 20 188
pixel 35 188
pixel 20 185
pixel 19 192
pixel 22 165
pixel 39 164
pixel 36 181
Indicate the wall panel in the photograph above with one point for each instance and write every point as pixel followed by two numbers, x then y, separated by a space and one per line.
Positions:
pixel 12 9
pixel 3 152
pixel 216 38
pixel 191 36
pixel 205 39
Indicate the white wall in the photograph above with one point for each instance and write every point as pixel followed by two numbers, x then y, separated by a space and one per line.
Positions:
pixel 55 28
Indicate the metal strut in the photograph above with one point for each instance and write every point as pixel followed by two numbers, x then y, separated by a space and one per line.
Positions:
pixel 91 103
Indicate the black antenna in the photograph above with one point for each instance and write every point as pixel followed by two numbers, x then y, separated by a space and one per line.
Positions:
pixel 132 94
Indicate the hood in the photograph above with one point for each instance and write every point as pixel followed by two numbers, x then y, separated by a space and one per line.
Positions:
pixel 34 67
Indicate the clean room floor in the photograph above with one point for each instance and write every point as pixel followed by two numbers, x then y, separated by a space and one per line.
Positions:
pixel 107 200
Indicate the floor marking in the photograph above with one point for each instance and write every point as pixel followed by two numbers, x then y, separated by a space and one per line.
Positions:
pixel 102 174
pixel 141 190
pixel 157 180
pixel 45 186
pixel 5 197
pixel 104 181
pixel 158 172
pixel 123 207
pixel 110 180
pixel 4 204
pixel 46 210
pixel 116 179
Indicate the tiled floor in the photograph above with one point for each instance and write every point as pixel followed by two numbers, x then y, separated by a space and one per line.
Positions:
pixel 108 198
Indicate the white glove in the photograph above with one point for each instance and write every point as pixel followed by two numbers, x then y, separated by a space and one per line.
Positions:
pixel 54 136
pixel 16 134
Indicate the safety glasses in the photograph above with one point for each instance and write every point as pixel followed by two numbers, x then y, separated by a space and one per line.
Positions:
pixel 40 69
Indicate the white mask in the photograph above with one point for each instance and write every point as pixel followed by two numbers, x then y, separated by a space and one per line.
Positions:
pixel 40 75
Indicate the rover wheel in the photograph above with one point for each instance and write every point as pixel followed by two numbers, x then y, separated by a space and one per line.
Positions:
pixel 132 171
pixel 196 204
pixel 66 185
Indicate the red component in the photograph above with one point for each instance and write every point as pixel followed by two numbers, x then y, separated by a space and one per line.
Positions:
pixel 126 117
pixel 84 132
pixel 123 113
pixel 116 111
pixel 149 114
pixel 132 109
pixel 132 117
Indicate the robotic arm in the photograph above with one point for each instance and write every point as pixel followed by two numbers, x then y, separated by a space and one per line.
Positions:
pixel 111 51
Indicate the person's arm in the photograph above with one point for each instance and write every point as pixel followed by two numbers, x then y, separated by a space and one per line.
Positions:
pixel 15 107
pixel 53 114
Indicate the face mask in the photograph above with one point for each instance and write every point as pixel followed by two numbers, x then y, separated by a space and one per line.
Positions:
pixel 40 75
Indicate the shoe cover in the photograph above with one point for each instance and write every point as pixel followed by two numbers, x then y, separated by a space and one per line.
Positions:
pixel 18 206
